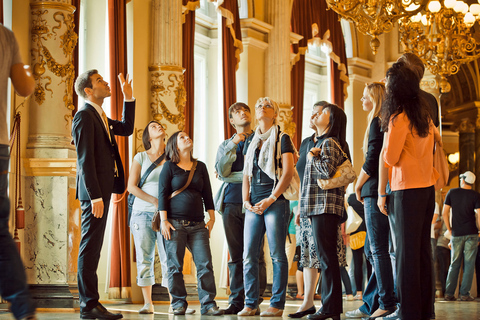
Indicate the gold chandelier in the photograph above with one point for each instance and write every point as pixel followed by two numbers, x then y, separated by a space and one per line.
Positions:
pixel 374 17
pixel 442 37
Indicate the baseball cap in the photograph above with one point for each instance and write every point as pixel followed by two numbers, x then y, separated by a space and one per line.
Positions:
pixel 468 177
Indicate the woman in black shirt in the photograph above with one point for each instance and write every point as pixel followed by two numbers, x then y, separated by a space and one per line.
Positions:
pixel 183 223
pixel 267 211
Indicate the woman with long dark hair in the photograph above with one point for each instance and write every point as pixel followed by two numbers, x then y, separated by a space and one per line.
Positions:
pixel 183 225
pixel 325 208
pixel 408 153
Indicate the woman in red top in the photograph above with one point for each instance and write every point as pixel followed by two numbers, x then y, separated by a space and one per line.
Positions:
pixel 408 153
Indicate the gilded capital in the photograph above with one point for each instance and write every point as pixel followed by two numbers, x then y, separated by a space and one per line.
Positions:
pixel 464 126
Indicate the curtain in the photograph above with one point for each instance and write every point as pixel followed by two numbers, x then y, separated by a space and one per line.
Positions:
pixel 188 43
pixel 120 284
pixel 1 11
pixel 231 48
pixel 76 21
pixel 301 23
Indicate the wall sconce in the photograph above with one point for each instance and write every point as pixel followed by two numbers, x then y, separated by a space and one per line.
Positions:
pixel 453 159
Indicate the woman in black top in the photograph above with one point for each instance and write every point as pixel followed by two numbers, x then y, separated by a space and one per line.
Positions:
pixel 267 210
pixel 383 301
pixel 183 223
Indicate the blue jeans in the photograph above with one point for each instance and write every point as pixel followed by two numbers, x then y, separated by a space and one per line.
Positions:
pixel 233 223
pixel 13 284
pixel 144 238
pixel 462 247
pixel 378 230
pixel 273 221
pixel 195 238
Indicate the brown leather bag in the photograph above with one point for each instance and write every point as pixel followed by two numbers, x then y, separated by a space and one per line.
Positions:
pixel 156 220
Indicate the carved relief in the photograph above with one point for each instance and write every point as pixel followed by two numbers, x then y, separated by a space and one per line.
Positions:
pixel 162 95
pixel 286 118
pixel 42 56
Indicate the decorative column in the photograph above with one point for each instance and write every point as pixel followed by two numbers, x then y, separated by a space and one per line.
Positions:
pixel 477 150
pixel 52 215
pixel 277 60
pixel 466 145
pixel 166 72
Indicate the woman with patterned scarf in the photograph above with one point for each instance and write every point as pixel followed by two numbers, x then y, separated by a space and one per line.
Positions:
pixel 267 211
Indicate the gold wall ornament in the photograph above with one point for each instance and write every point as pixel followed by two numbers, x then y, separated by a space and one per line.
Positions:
pixel 375 17
pixel 443 37
pixel 173 91
pixel 286 118
pixel 42 32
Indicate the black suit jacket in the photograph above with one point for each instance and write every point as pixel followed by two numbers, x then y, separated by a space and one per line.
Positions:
pixel 97 154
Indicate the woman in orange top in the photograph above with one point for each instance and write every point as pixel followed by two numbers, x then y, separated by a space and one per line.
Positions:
pixel 408 153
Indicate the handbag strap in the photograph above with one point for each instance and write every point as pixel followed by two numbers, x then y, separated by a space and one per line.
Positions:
pixel 190 176
pixel 339 147
pixel 150 169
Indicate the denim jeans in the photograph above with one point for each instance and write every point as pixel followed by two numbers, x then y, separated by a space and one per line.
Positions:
pixel 144 238
pixel 273 221
pixel 233 223
pixel 463 248
pixel 196 239
pixel 378 231
pixel 13 284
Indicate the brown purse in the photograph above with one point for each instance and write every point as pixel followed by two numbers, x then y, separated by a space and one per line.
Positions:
pixel 156 220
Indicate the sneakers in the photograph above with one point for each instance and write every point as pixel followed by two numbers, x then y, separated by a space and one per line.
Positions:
pixel 187 311
pixel 349 297
pixel 467 298
pixel 450 298
pixel 213 311
pixel 356 314
pixel 392 316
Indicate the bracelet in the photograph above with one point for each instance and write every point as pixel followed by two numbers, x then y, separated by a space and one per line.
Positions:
pixel 273 197
pixel 245 204
pixel 164 220
pixel 383 195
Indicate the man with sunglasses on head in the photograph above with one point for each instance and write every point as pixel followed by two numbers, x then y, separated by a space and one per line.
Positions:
pixel 228 202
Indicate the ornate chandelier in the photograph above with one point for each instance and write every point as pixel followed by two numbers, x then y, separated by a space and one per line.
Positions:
pixel 442 37
pixel 374 17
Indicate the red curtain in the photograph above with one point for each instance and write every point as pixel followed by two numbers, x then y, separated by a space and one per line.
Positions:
pixel 1 11
pixel 329 22
pixel 188 42
pixel 231 49
pixel 120 284
pixel 76 21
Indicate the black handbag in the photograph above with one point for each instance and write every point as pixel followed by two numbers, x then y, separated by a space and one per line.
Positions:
pixel 131 197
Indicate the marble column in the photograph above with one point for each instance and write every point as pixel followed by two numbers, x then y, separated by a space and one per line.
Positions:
pixel 277 60
pixel 167 88
pixel 52 215
pixel 466 144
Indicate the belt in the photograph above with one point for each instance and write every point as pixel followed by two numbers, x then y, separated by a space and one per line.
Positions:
pixel 187 223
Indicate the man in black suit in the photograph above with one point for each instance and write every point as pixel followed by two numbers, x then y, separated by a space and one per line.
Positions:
pixel 99 174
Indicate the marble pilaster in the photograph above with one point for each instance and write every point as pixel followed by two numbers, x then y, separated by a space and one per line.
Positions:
pixel 49 162
pixel 277 60
pixel 168 96
pixel 466 144
pixel 477 148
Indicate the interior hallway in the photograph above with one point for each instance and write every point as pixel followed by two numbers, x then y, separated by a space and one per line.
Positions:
pixel 444 311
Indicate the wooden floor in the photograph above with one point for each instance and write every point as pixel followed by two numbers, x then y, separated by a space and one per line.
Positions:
pixel 444 310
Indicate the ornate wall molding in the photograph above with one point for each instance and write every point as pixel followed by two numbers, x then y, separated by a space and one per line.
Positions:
pixel 38 167
pixel 53 21
pixel 168 96
pixel 285 118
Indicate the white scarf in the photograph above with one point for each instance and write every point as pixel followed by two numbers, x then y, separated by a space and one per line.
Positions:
pixel 266 158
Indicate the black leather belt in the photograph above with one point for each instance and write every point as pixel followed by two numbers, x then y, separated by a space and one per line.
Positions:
pixel 187 223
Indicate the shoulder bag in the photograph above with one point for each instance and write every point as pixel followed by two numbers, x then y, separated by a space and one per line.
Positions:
pixel 343 176
pixel 131 197
pixel 156 220
pixel 353 221
pixel 293 190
